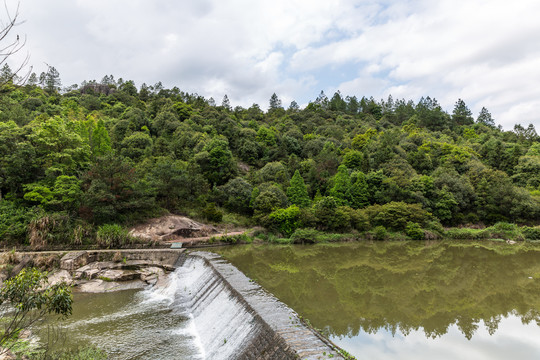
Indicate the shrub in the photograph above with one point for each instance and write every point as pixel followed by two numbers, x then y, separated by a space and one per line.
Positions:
pixel 14 222
pixel 504 230
pixel 329 215
pixel 467 234
pixel 212 213
pixel 380 233
pixel 55 228
pixel 285 220
pixel 396 215
pixel 308 235
pixel 531 233
pixel 414 231
pixel 112 235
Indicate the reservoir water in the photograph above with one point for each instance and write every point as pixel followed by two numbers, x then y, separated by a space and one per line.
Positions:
pixel 381 300
pixel 414 300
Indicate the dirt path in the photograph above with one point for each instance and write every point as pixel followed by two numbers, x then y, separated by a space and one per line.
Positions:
pixel 203 238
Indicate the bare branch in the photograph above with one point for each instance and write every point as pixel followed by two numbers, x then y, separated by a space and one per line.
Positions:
pixel 13 47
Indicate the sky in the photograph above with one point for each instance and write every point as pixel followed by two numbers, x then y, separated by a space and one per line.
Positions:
pixel 486 52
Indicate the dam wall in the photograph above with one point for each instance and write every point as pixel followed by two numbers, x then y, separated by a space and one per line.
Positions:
pixel 236 319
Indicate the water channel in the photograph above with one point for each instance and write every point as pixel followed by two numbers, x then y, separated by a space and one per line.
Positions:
pixel 381 300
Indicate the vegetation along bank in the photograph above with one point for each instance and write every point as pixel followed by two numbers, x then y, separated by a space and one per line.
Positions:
pixel 80 165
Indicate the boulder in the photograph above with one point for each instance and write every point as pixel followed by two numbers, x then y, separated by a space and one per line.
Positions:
pixel 152 275
pixel 59 276
pixel 171 227
pixel 76 259
pixel 118 275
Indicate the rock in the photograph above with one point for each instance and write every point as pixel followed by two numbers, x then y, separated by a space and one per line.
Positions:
pixel 59 276
pixel 118 275
pixel 17 268
pixel 170 227
pixel 74 260
pixel 152 275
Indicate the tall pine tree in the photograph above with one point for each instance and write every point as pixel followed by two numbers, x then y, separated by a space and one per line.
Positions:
pixel 297 191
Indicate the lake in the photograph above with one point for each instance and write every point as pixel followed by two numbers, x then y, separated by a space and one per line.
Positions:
pixel 408 300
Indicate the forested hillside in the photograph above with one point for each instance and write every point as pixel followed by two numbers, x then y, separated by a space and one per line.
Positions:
pixel 75 161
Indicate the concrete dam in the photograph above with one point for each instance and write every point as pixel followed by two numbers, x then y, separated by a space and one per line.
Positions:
pixel 234 318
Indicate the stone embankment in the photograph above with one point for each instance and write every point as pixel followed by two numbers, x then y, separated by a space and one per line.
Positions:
pixel 99 270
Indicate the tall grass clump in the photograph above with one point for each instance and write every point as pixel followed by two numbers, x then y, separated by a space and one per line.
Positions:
pixel 113 235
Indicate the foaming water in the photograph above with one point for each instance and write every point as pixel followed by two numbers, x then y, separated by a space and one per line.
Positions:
pixel 192 315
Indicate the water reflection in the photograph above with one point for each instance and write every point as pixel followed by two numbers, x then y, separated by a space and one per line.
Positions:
pixel 513 341
pixel 399 290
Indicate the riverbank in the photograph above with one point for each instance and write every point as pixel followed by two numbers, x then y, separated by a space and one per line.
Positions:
pixel 95 270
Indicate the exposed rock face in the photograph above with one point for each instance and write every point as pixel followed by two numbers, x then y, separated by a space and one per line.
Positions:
pixel 171 227
pixel 74 260
pixel 83 270
pixel 60 276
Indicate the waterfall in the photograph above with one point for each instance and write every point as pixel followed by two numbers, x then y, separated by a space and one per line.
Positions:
pixel 220 325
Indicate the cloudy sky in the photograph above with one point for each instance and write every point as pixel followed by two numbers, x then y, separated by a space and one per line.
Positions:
pixel 486 52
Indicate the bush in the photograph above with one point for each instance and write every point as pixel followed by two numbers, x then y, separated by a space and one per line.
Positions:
pixel 467 234
pixel 531 233
pixel 55 229
pixel 414 231
pixel 308 235
pixel 112 235
pixel 14 222
pixel 380 233
pixel 330 216
pixel 504 230
pixel 212 213
pixel 396 215
pixel 285 220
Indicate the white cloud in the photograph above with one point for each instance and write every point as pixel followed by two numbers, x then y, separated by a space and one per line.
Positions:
pixel 481 51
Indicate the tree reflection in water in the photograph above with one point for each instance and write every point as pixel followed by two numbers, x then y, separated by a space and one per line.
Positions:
pixel 399 286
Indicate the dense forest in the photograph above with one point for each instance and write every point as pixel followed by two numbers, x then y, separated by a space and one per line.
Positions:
pixel 92 157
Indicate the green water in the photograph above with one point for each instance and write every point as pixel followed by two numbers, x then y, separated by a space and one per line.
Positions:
pixel 408 300
pixel 126 324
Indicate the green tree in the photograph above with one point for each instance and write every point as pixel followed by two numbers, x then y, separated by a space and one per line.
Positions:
pixel 353 160
pixel 18 160
pixel 342 186
pixel 113 191
pixel 136 145
pixel 216 161
pixel 358 192
pixel 275 103
pixel 101 142
pixel 60 146
pixel 268 198
pixel 173 182
pixel 26 298
pixel 445 205
pixel 285 220
pixel 237 195
pixel 485 118
pixel 51 80
pixel 461 114
pixel 297 191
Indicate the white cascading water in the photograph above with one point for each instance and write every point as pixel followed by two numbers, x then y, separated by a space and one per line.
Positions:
pixel 219 325
pixel 192 315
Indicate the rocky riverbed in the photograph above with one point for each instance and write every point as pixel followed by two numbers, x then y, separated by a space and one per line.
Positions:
pixel 98 270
